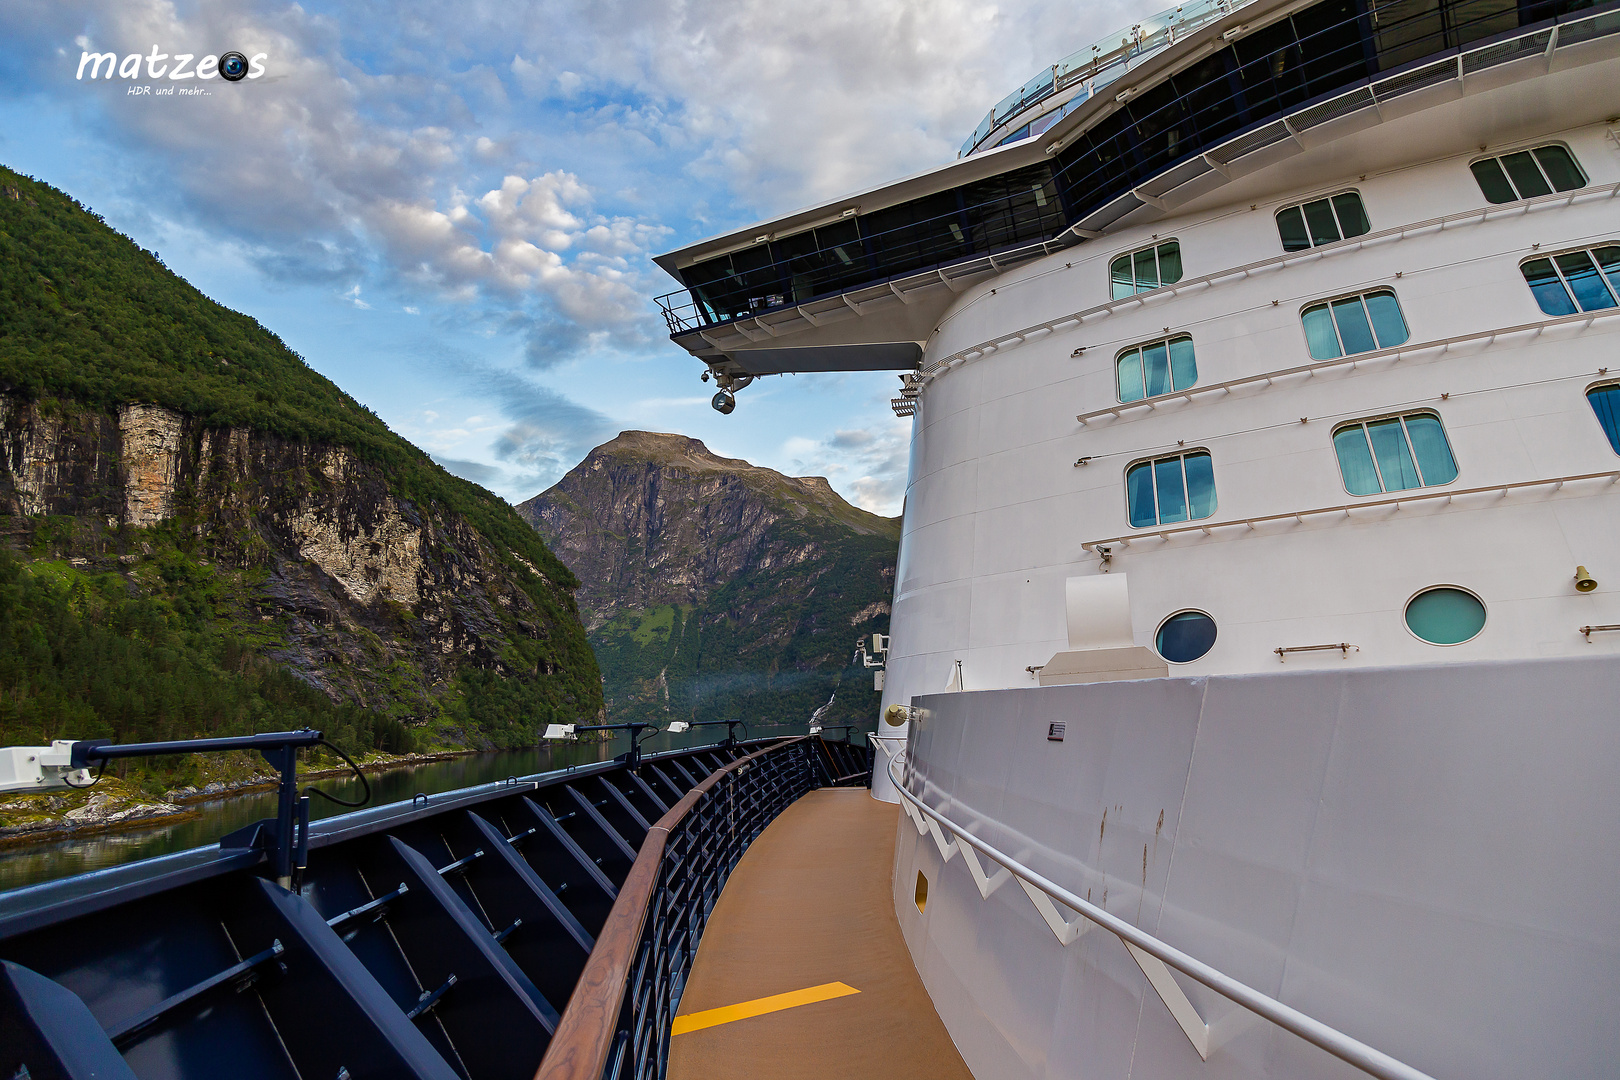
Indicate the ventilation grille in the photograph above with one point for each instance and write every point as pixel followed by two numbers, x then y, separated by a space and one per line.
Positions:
pixel 1344 105
pixel 1416 79
pixel 1248 144
pixel 1504 51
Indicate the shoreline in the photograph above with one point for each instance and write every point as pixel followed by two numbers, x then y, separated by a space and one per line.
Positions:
pixel 116 809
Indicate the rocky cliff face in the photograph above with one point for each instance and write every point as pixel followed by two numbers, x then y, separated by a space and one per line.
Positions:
pixel 374 599
pixel 713 588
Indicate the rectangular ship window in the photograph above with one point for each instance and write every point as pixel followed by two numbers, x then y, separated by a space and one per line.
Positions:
pixel 1525 174
pixel 1140 271
pixel 1167 490
pixel 1393 453
pixel 1586 280
pixel 1159 367
pixel 1322 221
pixel 1354 324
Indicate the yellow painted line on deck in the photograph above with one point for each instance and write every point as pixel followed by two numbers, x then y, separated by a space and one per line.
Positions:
pixel 760 1006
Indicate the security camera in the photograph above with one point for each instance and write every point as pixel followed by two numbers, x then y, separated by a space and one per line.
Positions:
pixel 724 402
pixel 233 67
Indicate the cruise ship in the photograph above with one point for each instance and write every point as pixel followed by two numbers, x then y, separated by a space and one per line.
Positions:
pixel 1249 710
pixel 1256 601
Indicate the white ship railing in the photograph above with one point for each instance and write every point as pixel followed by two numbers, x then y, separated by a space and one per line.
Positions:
pixel 1153 956
pixel 1416 495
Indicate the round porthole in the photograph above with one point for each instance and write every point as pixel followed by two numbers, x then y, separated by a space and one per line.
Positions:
pixel 1445 615
pixel 1185 636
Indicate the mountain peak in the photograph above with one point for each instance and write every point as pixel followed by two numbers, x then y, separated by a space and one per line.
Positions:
pixel 710 584
pixel 800 496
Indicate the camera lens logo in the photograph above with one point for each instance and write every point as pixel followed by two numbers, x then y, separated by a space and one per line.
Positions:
pixel 233 67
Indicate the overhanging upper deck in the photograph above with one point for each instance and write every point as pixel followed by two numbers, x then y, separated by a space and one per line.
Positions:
pixel 880 267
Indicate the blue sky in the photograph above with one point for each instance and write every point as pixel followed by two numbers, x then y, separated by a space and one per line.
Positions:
pixel 449 207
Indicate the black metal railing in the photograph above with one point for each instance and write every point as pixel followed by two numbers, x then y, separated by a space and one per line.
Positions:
pixel 617 1024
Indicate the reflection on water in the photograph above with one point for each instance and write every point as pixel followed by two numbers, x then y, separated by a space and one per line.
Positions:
pixel 64 858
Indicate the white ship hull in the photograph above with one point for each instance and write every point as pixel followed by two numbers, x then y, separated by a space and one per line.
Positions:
pixel 1423 859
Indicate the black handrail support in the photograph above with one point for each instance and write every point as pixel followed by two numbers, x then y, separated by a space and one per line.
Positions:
pixel 631 757
pixel 280 749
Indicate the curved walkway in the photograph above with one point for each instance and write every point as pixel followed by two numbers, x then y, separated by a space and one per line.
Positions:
pixel 802 972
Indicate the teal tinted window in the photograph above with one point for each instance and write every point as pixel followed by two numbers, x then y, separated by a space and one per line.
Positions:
pixel 1128 375
pixel 1124 281
pixel 1158 368
pixel 1185 637
pixel 1395 453
pixel 1355 331
pixel 1320 336
pixel 1322 221
pixel 1184 365
pixel 1139 495
pixel 1200 486
pixel 1147 269
pixel 1430 449
pixel 1575 281
pixel 1605 402
pixel 1445 616
pixel 1528 173
pixel 1354 324
pixel 1355 461
pixel 1170 490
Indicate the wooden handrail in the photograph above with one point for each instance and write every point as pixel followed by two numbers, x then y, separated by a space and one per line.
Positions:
pixel 579 1048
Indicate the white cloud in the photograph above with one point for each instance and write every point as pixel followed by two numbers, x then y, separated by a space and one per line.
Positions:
pixel 868 465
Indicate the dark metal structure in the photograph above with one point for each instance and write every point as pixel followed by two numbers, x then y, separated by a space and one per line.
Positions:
pixel 439 938
pixel 1252 86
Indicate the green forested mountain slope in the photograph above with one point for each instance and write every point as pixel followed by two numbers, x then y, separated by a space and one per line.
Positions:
pixel 206 536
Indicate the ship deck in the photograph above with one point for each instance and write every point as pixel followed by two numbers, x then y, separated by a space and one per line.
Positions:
pixel 802 971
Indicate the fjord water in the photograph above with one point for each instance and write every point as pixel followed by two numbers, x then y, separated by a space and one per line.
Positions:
pixel 61 858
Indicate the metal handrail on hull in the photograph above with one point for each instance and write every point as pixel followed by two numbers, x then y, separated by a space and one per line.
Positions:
pixel 1151 954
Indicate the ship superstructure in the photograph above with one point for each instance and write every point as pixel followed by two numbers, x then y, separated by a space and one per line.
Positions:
pixel 1308 315
pixel 1266 356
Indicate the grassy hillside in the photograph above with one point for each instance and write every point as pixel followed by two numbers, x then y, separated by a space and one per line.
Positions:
pixel 88 315
pixel 181 629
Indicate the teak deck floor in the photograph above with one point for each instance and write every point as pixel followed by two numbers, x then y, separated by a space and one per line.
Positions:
pixel 809 905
